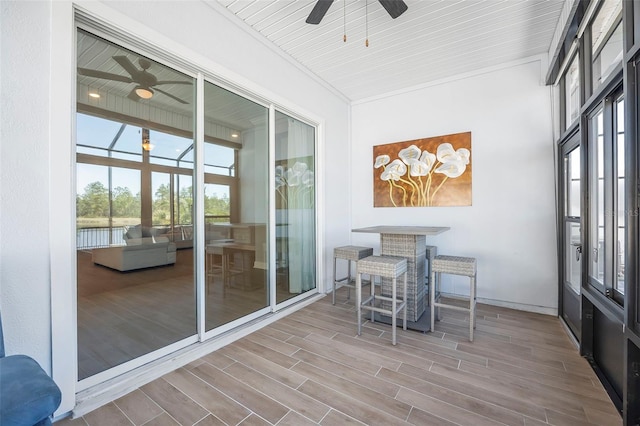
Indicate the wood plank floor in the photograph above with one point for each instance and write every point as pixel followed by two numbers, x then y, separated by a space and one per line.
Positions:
pixel 311 368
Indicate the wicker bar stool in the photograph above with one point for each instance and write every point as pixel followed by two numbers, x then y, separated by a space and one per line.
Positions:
pixel 350 254
pixel 386 267
pixel 431 253
pixel 454 265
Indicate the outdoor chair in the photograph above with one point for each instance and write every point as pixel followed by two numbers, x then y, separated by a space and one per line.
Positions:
pixel 28 396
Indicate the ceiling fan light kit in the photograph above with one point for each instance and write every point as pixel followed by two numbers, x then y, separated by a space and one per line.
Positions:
pixel 147 145
pixel 144 80
pixel 144 92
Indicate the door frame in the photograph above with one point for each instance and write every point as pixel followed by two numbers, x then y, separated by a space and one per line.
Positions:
pixel 568 144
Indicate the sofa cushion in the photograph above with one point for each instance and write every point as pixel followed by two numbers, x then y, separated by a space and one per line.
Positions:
pixel 139 241
pixel 27 393
pixel 134 232
pixel 136 256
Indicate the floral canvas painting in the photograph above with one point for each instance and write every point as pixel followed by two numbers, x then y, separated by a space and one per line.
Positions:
pixel 295 180
pixel 425 172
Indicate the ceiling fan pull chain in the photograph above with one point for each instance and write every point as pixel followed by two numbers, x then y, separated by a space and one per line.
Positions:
pixel 366 17
pixel 344 20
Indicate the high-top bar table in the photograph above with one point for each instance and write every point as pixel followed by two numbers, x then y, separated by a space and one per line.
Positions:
pixel 409 242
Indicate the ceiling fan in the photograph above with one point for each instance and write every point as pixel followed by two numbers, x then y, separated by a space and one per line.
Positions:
pixel 145 81
pixel 395 8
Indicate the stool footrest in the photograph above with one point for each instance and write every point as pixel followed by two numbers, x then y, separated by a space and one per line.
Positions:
pixel 382 310
pixel 350 282
pixel 372 299
pixel 457 308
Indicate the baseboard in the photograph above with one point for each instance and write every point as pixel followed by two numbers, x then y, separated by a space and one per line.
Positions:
pixel 511 305
pixel 570 333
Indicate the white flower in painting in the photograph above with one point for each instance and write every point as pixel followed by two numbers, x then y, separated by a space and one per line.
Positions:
pixel 410 154
pixel 293 177
pixel 418 168
pixel 464 154
pixel 382 160
pixel 300 167
pixel 280 182
pixel 452 168
pixel 307 178
pixel 394 171
pixel 446 153
pixel 280 177
pixel 428 158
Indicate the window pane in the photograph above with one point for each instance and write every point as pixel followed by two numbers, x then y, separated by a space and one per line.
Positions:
pixel 295 207
pixel 572 259
pixel 621 217
pixel 573 183
pixel 596 204
pixel 107 202
pixel 606 38
pixel 572 95
pixel 217 204
pixel 219 159
pixel 170 149
pixel 161 190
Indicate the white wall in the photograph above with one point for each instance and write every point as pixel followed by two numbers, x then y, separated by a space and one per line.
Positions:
pixel 24 177
pixel 37 83
pixel 510 228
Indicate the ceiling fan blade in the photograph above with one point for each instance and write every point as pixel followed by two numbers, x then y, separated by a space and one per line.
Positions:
pixel 170 95
pixel 318 12
pixel 172 82
pixel 127 65
pixel 395 8
pixel 105 75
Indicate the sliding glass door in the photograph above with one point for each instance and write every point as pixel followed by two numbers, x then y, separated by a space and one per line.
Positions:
pixel 174 239
pixel 135 263
pixel 236 206
pixel 295 197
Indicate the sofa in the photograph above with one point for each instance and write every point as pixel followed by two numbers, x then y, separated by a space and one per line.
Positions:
pixel 144 252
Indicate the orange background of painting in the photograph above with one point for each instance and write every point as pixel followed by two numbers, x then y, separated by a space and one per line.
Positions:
pixel 454 192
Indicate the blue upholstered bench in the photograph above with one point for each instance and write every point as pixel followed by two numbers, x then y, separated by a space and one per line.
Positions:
pixel 28 396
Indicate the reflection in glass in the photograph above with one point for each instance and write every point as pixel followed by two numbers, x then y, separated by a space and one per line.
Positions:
pixel 135 285
pixel 572 179
pixel 295 207
pixel 236 206
pixel 572 92
pixel 621 217
pixel 606 40
pixel 573 257
pixel 596 201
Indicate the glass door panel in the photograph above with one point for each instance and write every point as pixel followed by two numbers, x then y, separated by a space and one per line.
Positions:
pixel 295 207
pixel 135 289
pixel 571 291
pixel 236 207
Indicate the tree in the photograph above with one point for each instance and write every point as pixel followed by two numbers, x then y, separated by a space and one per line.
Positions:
pixel 217 206
pixel 94 202
pixel 161 205
pixel 124 203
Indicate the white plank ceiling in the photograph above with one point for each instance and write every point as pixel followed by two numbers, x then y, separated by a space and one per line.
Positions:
pixel 432 40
